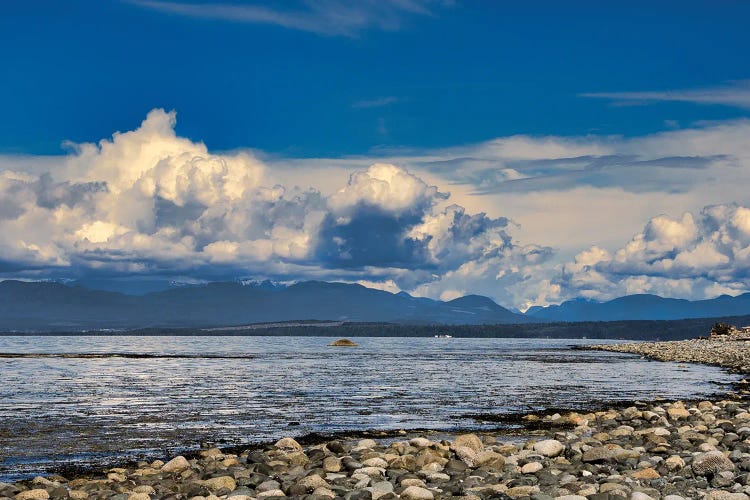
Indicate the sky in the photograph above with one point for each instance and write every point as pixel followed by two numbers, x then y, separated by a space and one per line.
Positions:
pixel 533 152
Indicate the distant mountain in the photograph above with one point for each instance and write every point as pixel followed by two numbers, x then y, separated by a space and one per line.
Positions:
pixel 643 307
pixel 55 306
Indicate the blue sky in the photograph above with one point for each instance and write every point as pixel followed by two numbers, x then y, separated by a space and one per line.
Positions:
pixel 533 152
pixel 450 75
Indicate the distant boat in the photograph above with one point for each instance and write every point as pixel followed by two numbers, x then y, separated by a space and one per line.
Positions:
pixel 443 336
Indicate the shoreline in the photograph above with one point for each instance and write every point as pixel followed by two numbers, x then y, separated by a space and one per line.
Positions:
pixel 733 355
pixel 638 446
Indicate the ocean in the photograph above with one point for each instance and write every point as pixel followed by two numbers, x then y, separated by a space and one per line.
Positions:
pixel 95 400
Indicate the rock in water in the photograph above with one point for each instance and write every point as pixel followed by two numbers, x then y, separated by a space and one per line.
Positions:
pixel 343 343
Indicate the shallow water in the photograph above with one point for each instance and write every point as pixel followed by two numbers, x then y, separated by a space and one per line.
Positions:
pixel 173 393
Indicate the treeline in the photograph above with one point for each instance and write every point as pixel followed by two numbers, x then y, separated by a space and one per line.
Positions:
pixel 626 330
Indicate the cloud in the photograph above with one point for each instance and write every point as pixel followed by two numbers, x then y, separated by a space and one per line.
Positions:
pixel 147 202
pixel 693 256
pixel 375 103
pixel 528 220
pixel 735 93
pixel 328 17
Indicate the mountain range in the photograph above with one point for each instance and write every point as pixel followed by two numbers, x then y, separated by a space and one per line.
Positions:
pixel 54 306
pixel 643 307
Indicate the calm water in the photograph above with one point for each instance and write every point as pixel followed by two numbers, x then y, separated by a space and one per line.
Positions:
pixel 232 390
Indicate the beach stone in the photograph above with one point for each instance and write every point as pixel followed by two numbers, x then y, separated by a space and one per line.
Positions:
pixel 469 441
pixel 297 458
pixel 711 463
pixel 331 464
pixel 36 494
pixel 725 495
pixel 638 495
pixel 269 485
pixel 648 473
pixel 490 459
pixel 570 497
pixel 139 496
pixel 241 493
pixel 608 453
pixel 177 464
pixel 466 455
pixel 288 443
pixel 674 463
pixel 78 494
pixel 358 495
pixel 437 477
pixel 366 444
pixel 723 479
pixel 220 483
pixel 375 472
pixel 379 489
pixel 417 493
pixel 375 462
pixel 420 442
pixel 310 483
pixel 432 467
pixel 549 447
pixel 413 481
pixel 324 492
pixel 271 493
pixel 678 413
pixel 144 488
pixel 44 482
pixel 405 462
pixel 521 491
pixel 531 468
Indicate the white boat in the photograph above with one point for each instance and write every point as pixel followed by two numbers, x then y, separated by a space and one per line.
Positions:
pixel 443 336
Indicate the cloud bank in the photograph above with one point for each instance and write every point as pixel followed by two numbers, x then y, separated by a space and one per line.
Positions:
pixel 528 221
pixel 692 256
pixel 147 202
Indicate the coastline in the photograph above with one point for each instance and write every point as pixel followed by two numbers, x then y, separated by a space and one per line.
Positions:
pixel 731 354
pixel 647 450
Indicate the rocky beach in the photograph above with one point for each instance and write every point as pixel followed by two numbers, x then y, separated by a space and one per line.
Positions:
pixel 658 450
pixel 731 354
